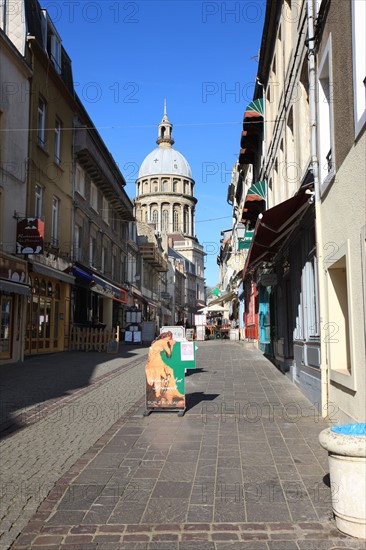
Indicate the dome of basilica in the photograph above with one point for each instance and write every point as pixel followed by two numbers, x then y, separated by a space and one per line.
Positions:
pixel 165 160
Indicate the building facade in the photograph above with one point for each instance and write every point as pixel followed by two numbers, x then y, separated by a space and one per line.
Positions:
pixel 15 76
pixel 102 216
pixel 340 59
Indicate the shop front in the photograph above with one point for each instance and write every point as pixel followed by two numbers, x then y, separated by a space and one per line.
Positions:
pixel 48 310
pixel 13 298
pixel 96 302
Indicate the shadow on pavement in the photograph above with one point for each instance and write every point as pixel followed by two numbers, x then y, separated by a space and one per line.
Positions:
pixel 193 399
pixel 26 388
pixel 194 371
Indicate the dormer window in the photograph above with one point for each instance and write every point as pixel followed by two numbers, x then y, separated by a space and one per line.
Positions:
pixel 51 41
pixel 55 52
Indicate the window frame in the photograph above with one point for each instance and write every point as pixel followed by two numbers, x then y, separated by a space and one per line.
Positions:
pixel 57 142
pixel 359 64
pixel 80 180
pixel 41 122
pixel 38 200
pixel 94 196
pixel 326 117
pixel 340 376
pixel 55 218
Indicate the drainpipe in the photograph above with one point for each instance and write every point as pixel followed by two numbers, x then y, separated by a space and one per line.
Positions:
pixel 317 197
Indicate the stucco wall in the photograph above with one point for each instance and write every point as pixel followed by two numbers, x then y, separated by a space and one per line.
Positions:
pixel 343 219
pixel 14 147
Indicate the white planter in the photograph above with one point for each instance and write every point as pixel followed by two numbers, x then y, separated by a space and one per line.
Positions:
pixel 347 469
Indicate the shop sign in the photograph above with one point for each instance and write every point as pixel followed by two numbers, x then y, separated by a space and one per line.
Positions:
pixel 12 269
pixel 246 241
pixel 30 236
pixel 268 279
pixel 178 332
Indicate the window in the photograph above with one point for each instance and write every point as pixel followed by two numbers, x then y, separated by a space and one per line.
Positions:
pixel 57 151
pixel 326 148
pixel 38 191
pixel 105 211
pixel 165 221
pixel 155 218
pixel 104 256
pixel 165 186
pixel 92 250
pixel 80 180
pixel 94 196
pixel 175 221
pixel 175 186
pixel 359 63
pixel 122 274
pixel 113 265
pixel 55 46
pixel 55 220
pixel 337 331
pixel 41 124
pixel 77 243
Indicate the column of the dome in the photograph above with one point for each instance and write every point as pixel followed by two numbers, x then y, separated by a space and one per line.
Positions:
pixel 190 220
pixel 171 222
pixel 160 228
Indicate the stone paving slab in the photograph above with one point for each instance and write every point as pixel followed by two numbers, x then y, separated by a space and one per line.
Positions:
pixel 35 457
pixel 241 469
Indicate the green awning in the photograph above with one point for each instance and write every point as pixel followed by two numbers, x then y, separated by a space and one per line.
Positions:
pixel 256 192
pixel 255 108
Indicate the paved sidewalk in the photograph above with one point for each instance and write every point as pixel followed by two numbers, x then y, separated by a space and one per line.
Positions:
pixel 242 469
pixel 54 408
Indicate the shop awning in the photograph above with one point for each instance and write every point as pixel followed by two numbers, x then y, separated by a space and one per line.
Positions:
pixel 108 289
pixel 255 109
pixel 254 202
pixel 252 129
pixel 223 298
pixel 11 287
pixel 81 273
pixel 51 272
pixel 272 227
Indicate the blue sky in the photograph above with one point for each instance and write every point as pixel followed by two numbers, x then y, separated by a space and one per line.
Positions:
pixel 201 56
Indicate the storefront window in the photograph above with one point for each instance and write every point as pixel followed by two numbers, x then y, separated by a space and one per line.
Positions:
pixel 36 286
pixel 42 287
pixel 5 326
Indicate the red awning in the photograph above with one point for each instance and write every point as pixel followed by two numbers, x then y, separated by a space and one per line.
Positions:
pixel 272 227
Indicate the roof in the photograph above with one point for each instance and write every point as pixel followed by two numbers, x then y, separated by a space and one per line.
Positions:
pixel 165 160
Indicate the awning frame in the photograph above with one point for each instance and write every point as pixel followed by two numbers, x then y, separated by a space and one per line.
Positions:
pixel 286 228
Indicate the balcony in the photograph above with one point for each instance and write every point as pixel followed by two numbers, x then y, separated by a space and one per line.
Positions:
pixel 151 255
pixel 101 167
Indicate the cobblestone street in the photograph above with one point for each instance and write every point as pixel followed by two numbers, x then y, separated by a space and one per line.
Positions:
pixel 242 469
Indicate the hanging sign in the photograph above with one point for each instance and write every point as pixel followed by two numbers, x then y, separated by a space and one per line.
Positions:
pixel 30 236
